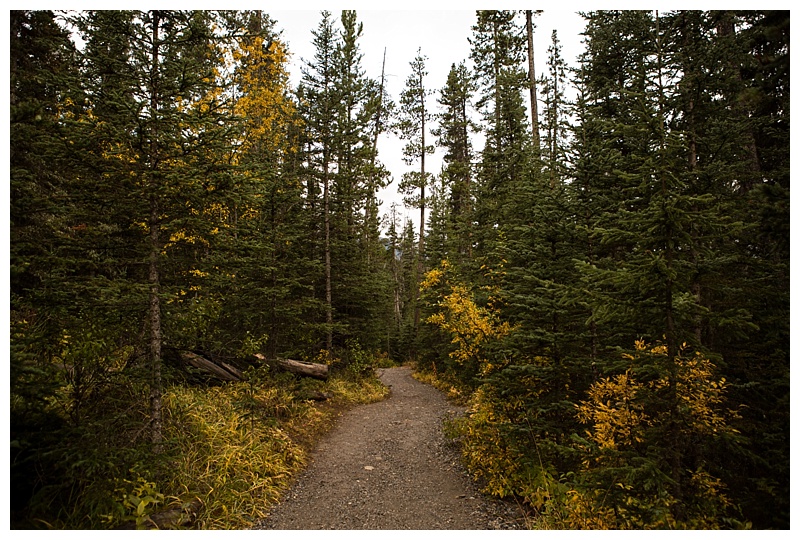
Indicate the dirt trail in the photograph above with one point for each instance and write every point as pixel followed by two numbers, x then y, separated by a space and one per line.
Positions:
pixel 387 465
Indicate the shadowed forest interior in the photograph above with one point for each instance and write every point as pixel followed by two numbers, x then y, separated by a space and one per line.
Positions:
pixel 603 280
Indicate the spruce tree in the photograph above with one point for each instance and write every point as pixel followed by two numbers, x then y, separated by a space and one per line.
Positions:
pixel 356 281
pixel 666 224
pixel 164 130
pixel 412 126
pixel 453 134
pixel 42 298
pixel 498 48
pixel 262 238
pixel 554 113
pixel 317 105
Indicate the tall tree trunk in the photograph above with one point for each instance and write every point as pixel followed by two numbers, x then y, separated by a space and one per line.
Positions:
pixel 420 252
pixel 154 277
pixel 496 60
pixel 371 207
pixel 691 139
pixel 327 225
pixel 532 78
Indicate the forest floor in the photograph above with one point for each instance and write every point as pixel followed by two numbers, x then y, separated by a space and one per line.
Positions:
pixel 388 465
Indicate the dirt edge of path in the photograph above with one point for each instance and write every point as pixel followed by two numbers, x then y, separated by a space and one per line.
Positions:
pixel 388 465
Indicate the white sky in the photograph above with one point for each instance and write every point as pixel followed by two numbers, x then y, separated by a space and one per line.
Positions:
pixel 442 36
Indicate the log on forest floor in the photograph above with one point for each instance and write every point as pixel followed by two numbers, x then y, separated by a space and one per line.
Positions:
pixel 306 369
pixel 222 370
pixel 226 372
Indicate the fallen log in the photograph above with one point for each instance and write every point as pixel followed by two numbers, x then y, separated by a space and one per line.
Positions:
pixel 227 372
pixel 222 370
pixel 233 370
pixel 306 369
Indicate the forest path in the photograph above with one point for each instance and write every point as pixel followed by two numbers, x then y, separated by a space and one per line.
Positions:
pixel 387 465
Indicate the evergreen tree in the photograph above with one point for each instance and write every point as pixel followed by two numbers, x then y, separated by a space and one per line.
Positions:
pixel 453 133
pixel 317 101
pixel 394 257
pixel 412 126
pixel 265 228
pixel 721 95
pixel 498 46
pixel 554 113
pixel 665 226
pixel 42 82
pixel 529 26
pixel 140 135
pixel 164 137
pixel 357 281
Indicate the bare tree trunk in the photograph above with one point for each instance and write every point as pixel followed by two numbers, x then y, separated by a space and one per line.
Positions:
pixel 154 277
pixel 396 275
pixel 371 209
pixel 328 293
pixel 496 66
pixel 532 78
pixel 420 251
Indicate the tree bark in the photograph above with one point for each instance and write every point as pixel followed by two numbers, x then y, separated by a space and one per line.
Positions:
pixel 420 251
pixel 221 370
pixel 532 78
pixel 328 291
pixel 371 207
pixel 307 369
pixel 153 276
pixel 226 372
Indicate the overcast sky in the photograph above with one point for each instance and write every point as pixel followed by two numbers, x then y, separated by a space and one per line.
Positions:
pixel 440 32
pixel 442 36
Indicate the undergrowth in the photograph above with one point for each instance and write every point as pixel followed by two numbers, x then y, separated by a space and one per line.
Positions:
pixel 605 474
pixel 229 451
pixel 238 447
pixel 444 382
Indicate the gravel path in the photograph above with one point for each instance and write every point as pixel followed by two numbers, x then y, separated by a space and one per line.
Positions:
pixel 387 465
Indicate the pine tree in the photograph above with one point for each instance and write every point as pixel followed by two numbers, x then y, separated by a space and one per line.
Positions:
pixel 664 226
pixel 357 281
pixel 140 133
pixel 529 26
pixel 453 133
pixel 498 46
pixel 412 126
pixel 265 227
pixel 394 257
pixel 176 113
pixel 42 300
pixel 317 102
pixel 554 113
pixel 722 96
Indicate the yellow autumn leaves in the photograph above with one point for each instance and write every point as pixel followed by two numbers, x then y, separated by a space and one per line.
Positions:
pixel 616 406
pixel 470 326
pixel 264 103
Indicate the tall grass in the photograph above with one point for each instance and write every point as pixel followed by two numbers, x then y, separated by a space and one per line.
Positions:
pixel 230 451
pixel 236 448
